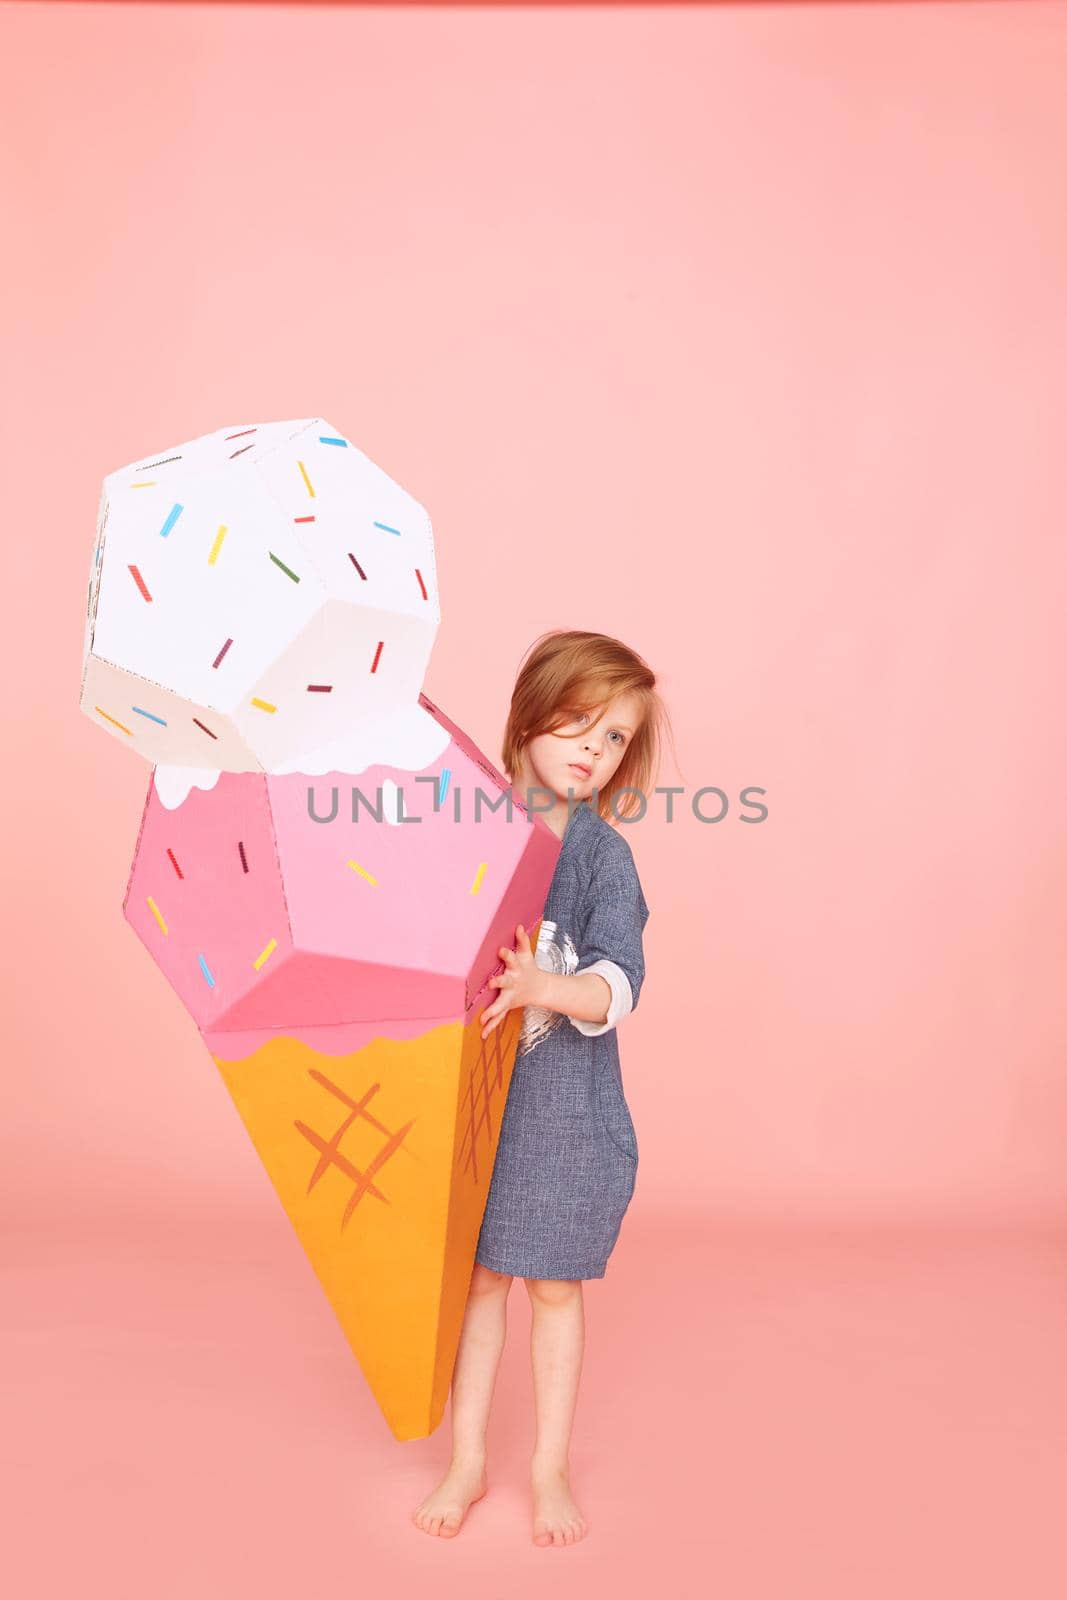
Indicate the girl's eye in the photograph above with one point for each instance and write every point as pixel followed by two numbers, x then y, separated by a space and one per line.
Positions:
pixel 583 716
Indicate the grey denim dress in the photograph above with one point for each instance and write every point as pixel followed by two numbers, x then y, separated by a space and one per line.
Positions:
pixel 566 1162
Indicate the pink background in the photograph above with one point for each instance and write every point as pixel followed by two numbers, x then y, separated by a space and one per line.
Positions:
pixel 738 334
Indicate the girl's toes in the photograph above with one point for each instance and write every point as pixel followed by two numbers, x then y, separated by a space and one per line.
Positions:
pixel 449 1527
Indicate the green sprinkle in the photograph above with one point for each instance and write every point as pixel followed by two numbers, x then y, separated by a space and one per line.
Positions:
pixel 283 566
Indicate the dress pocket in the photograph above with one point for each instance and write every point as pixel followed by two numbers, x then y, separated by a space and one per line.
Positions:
pixel 615 1116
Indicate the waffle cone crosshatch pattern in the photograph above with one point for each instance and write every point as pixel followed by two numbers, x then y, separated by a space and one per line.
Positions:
pixel 336 958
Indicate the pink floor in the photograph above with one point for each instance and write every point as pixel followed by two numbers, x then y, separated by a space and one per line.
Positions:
pixel 767 1414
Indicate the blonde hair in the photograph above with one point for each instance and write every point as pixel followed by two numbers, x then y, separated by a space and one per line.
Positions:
pixel 566 672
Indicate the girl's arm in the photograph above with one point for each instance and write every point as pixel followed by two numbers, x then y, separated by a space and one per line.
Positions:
pixel 610 948
pixel 582 996
pixel 611 964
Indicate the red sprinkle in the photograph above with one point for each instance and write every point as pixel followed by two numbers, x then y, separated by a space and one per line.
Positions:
pixel 175 865
pixel 241 848
pixel 222 652
pixel 377 655
pixel 139 581
pixel 422 586
pixel 357 566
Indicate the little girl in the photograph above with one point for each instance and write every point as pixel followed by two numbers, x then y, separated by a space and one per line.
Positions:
pixel 585 722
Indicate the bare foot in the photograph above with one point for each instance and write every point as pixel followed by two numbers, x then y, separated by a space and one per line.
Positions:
pixel 557 1519
pixel 442 1512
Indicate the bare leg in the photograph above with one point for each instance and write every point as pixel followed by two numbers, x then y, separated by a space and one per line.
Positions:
pixel 557 1343
pixel 477 1359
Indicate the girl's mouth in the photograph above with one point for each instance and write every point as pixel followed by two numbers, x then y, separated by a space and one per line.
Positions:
pixel 586 772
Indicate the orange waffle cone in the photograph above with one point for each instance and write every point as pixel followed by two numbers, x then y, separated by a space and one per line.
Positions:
pixel 382 1160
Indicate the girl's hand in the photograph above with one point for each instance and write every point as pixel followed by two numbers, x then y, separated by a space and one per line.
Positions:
pixel 519 984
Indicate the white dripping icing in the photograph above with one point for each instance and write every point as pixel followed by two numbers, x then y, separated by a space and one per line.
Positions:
pixel 409 740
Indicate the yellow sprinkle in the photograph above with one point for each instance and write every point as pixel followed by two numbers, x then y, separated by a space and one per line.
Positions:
pixel 478 876
pixel 215 548
pixel 156 913
pixel 121 725
pixel 149 483
pixel 363 872
pixel 307 480
pixel 264 953
pixel 263 705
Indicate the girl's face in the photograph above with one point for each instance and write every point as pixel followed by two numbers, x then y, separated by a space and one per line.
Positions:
pixel 583 755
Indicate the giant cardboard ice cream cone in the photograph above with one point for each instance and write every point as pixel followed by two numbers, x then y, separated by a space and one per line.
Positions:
pixel 318 873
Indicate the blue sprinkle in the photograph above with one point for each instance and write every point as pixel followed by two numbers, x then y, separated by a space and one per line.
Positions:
pixel 171 520
pixel 342 442
pixel 387 529
pixel 150 714
pixel 205 969
pixel 445 777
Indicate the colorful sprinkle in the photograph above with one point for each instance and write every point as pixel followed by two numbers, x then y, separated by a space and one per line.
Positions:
pixel 377 655
pixel 320 688
pixel 150 715
pixel 446 778
pixel 241 435
pixel 206 730
pixel 323 439
pixel 149 483
pixel 267 950
pixel 387 529
pixel 303 519
pixel 174 863
pixel 363 872
pixel 222 652
pixel 139 581
pixel 285 569
pixel 156 912
pixel 422 586
pixel 241 852
pixel 307 480
pixel 478 876
pixel 121 725
pixel 242 450
pixel 357 566
pixel 206 970
pixel 175 513
pixel 150 464
pixel 262 705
